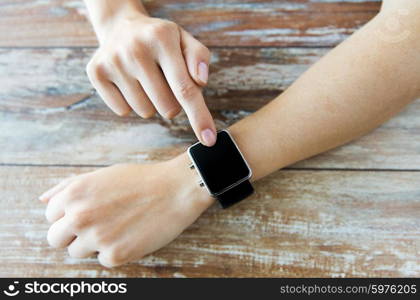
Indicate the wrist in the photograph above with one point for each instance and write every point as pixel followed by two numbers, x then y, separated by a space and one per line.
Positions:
pixel 197 196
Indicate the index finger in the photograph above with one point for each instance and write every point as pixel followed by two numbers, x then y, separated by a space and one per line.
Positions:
pixel 189 96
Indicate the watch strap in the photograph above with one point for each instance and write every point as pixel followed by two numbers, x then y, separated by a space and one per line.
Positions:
pixel 235 194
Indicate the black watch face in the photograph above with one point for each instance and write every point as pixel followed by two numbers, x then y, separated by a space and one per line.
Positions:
pixel 220 166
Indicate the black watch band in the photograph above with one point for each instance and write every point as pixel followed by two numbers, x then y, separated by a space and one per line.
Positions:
pixel 235 194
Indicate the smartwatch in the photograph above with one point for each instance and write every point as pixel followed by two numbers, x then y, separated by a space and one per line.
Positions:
pixel 223 169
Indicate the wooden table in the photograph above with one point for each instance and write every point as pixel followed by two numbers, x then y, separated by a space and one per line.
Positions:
pixel 354 211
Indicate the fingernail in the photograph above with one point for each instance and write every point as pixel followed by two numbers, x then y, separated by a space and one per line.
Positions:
pixel 203 72
pixel 208 136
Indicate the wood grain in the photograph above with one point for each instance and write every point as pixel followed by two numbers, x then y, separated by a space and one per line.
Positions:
pixel 353 211
pixel 215 23
pixel 71 138
pixel 300 223
pixel 244 79
pixel 50 115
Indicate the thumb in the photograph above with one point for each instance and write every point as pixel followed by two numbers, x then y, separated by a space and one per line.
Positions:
pixel 197 57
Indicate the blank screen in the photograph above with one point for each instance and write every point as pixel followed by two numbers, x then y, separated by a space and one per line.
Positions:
pixel 220 165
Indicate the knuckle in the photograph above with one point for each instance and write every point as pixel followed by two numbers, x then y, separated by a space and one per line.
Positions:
pixel 100 238
pixel 158 38
pixel 114 60
pixel 96 70
pixel 79 220
pixel 136 50
pixel 162 31
pixel 186 89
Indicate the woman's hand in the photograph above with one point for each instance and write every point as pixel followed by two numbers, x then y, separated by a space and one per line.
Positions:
pixel 147 64
pixel 124 212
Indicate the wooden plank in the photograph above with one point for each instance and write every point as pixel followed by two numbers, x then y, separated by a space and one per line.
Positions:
pixel 242 79
pixel 299 223
pixel 41 89
pixel 73 139
pixel 215 23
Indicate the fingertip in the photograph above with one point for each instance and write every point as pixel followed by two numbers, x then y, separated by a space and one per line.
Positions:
pixel 208 137
pixel 42 199
pixel 46 195
pixel 123 112
pixel 172 113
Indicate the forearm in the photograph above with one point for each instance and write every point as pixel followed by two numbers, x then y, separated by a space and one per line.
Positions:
pixel 353 89
pixel 103 12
